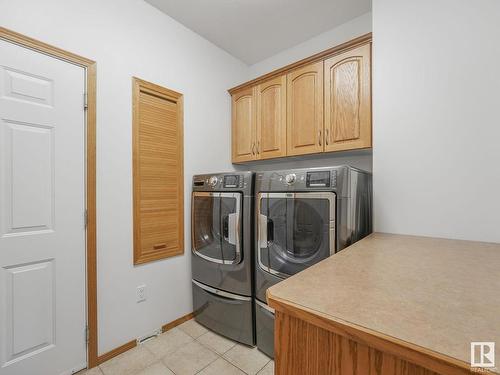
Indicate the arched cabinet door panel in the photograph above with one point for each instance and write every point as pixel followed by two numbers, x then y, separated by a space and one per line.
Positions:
pixel 305 110
pixel 271 118
pixel 243 126
pixel 348 100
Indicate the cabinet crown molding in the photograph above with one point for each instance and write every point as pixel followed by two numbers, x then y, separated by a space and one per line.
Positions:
pixel 356 42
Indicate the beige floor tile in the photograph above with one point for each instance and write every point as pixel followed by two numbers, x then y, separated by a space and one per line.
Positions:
pixel 221 367
pixel 129 362
pixel 250 360
pixel 94 371
pixel 268 369
pixel 216 342
pixel 189 359
pixel 168 342
pixel 193 328
pixel 157 368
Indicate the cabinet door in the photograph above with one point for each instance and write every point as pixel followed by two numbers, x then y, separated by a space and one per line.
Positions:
pixel 271 118
pixel 243 131
pixel 348 100
pixel 305 110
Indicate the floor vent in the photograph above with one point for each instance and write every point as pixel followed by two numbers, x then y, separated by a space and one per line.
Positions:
pixel 152 335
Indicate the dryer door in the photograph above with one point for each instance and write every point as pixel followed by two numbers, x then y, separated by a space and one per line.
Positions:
pixel 215 226
pixel 295 231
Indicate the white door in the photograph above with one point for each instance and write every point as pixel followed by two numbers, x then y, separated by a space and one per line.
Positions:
pixel 42 203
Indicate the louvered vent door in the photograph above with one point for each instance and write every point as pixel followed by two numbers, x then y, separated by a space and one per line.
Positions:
pixel 158 172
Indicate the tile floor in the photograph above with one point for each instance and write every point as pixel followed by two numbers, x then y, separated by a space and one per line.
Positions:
pixel 187 349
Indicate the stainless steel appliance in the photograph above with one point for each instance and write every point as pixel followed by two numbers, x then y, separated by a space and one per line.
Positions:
pixel 221 243
pixel 302 217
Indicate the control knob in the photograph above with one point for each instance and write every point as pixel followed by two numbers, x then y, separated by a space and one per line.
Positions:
pixel 290 178
pixel 213 181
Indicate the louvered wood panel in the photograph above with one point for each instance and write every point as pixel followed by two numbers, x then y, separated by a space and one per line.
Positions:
pixel 158 172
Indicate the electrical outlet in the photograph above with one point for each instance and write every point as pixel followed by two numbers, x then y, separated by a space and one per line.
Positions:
pixel 141 293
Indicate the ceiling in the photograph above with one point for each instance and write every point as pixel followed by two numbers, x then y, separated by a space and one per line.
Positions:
pixel 253 30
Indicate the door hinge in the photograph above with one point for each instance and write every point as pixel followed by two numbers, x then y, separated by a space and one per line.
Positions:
pixel 85 101
pixel 87 334
pixel 86 219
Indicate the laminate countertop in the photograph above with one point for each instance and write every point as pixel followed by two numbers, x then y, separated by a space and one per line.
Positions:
pixel 428 294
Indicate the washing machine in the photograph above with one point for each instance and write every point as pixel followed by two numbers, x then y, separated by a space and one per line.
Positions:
pixel 303 216
pixel 222 253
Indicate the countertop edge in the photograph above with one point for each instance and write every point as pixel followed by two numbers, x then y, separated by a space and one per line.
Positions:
pixel 413 353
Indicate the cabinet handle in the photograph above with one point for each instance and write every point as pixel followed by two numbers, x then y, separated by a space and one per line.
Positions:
pixel 319 138
pixel 258 147
pixel 253 148
pixel 326 136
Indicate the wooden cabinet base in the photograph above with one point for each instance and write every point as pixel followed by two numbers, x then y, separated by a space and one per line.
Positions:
pixel 303 348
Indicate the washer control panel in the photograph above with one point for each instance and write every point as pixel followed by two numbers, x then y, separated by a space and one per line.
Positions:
pixel 318 179
pixel 232 181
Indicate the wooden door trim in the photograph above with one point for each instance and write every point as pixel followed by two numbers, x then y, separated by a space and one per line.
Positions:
pixel 356 42
pixel 90 70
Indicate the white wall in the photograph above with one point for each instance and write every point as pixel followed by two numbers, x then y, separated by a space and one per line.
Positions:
pixel 343 33
pixel 130 38
pixel 436 158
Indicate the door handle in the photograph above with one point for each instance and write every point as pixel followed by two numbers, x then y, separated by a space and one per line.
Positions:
pixel 319 138
pixel 225 227
pixel 253 148
pixel 232 228
pixel 270 231
pixel 221 293
pixel 327 134
pixel 269 311
pixel 262 231
pixel 258 147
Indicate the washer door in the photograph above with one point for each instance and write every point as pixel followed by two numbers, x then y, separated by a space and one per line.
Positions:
pixel 215 226
pixel 295 230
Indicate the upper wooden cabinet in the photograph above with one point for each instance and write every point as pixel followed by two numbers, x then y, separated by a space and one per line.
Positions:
pixel 319 104
pixel 271 118
pixel 243 126
pixel 305 110
pixel 348 100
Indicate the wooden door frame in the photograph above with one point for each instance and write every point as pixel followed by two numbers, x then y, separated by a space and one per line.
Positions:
pixel 90 70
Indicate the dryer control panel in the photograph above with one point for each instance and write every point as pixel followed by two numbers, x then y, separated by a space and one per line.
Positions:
pixel 239 181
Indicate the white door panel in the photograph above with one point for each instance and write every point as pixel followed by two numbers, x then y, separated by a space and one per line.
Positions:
pixel 42 203
pixel 30 293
